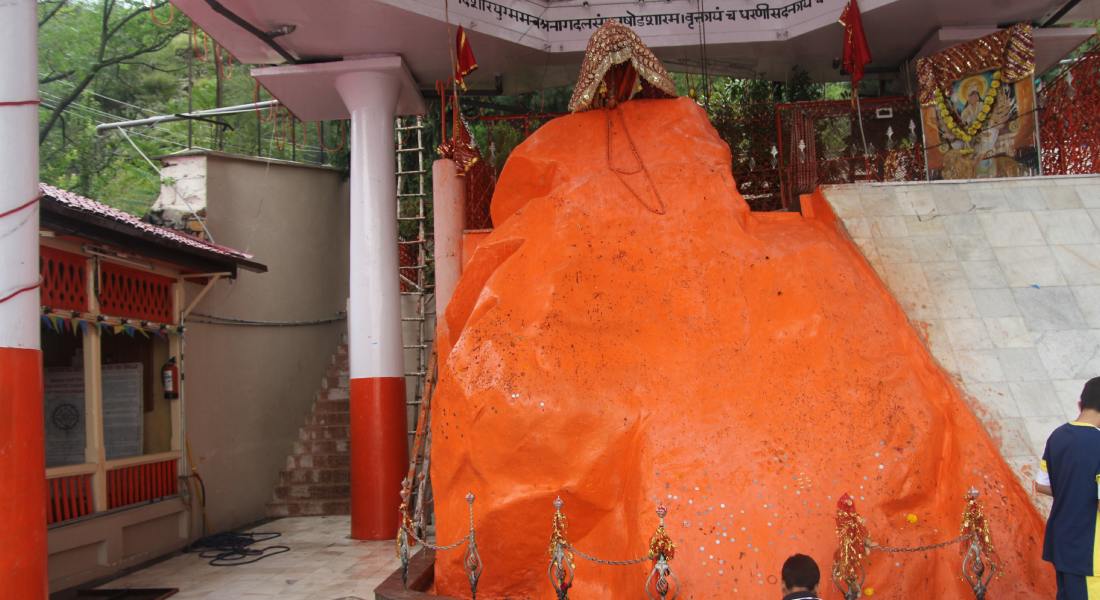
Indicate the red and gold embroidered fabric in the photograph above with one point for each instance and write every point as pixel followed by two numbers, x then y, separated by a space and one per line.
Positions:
pixel 615 44
pixel 1012 50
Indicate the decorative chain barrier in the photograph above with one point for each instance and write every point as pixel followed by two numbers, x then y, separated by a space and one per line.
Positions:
pixel 661 583
pixel 913 549
pixel 979 562
pixel 406 537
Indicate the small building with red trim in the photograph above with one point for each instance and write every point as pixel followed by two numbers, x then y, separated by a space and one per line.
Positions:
pixel 113 303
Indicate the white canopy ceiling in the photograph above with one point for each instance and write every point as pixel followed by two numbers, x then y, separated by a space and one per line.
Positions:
pixel 537 43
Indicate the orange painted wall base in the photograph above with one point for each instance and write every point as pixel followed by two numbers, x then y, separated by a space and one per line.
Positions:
pixel 379 455
pixel 22 476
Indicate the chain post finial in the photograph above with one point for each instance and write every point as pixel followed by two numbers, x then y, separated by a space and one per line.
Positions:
pixel 662 583
pixel 561 569
pixel 848 569
pixel 403 530
pixel 979 556
pixel 472 561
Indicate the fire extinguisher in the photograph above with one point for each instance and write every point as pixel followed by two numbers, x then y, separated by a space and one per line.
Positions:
pixel 170 373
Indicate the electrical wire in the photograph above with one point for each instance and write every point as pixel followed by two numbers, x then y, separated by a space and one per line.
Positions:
pixel 52 100
pixel 216 320
pixel 233 549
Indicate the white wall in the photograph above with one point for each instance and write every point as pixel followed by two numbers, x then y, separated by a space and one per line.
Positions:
pixel 1004 276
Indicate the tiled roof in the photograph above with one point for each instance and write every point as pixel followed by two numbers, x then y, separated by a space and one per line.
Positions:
pixel 88 206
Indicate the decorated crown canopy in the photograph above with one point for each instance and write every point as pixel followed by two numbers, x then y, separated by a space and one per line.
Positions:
pixel 611 45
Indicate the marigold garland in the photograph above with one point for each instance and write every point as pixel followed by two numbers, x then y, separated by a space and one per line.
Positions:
pixel 948 116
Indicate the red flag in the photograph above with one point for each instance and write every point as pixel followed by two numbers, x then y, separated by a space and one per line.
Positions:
pixel 465 56
pixel 856 51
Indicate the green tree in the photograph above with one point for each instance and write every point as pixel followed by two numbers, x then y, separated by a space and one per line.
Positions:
pixel 109 60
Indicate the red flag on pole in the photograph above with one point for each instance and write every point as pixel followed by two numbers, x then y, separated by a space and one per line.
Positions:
pixel 856 51
pixel 466 63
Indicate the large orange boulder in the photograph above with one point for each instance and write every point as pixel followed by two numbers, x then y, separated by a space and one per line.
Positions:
pixel 628 337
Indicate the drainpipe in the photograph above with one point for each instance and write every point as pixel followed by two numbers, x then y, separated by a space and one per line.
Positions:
pixel 379 443
pixel 22 444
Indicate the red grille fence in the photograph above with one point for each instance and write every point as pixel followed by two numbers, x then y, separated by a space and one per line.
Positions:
pixel 126 292
pixel 64 279
pixel 68 497
pixel 821 143
pixel 143 482
pixel 1069 117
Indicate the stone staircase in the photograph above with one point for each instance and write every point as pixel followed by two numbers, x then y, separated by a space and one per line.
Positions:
pixel 316 480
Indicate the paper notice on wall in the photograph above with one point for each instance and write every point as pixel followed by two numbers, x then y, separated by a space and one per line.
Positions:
pixel 64 404
pixel 122 416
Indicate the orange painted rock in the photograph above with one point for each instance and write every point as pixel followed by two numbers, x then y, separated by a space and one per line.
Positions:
pixel 746 370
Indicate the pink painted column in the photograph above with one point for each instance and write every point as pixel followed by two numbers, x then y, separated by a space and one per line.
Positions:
pixel 449 210
pixel 379 442
pixel 22 444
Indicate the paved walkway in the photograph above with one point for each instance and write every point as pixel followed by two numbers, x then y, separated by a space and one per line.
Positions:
pixel 323 564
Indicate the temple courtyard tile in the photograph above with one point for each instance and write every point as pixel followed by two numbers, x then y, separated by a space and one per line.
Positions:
pixel 323 564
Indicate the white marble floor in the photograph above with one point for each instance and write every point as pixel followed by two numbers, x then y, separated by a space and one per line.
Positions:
pixel 323 564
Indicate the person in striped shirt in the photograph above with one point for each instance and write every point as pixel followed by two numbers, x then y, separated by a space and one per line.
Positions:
pixel 1070 472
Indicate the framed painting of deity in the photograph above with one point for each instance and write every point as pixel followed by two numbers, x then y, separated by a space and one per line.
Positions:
pixel 978 108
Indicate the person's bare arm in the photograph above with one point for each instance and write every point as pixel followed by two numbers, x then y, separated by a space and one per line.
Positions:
pixel 1042 479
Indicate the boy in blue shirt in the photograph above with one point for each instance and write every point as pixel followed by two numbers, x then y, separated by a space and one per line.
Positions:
pixel 800 578
pixel 1070 471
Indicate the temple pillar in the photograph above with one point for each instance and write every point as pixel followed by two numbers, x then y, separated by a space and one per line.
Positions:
pixel 449 211
pixel 371 91
pixel 22 444
pixel 379 442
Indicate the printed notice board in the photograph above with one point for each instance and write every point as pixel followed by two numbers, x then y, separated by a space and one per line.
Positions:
pixel 122 416
pixel 64 418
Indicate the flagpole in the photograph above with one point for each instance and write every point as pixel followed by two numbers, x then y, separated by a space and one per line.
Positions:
pixel 859 115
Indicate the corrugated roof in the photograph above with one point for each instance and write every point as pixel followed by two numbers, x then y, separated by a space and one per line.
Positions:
pixel 78 203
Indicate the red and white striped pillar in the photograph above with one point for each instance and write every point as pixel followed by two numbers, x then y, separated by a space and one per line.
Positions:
pixel 379 442
pixel 22 449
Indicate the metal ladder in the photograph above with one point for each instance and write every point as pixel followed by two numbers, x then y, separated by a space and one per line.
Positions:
pixel 415 241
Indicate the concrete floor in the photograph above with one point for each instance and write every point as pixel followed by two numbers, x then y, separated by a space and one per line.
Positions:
pixel 323 564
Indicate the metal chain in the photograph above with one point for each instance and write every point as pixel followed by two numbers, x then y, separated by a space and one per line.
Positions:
pixel 612 563
pixel 438 548
pixel 925 548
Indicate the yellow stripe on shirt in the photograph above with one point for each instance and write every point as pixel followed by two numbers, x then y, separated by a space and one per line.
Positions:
pixel 1094 582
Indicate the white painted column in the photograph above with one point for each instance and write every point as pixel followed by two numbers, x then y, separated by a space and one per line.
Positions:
pixel 19 327
pixel 449 210
pixel 379 445
pixel 22 451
